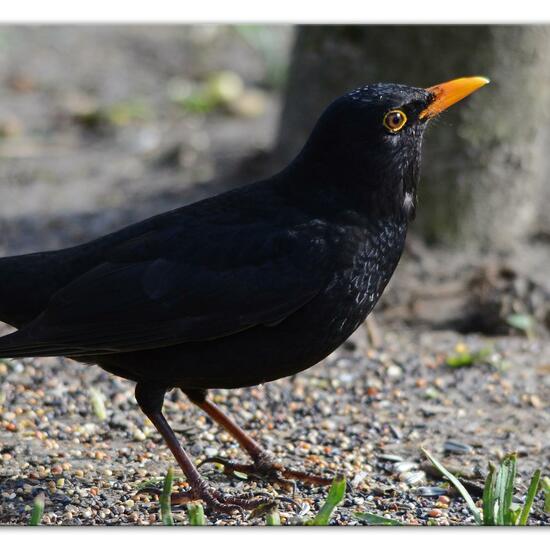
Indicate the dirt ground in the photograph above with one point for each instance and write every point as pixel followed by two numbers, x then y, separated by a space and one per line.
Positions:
pixel 96 131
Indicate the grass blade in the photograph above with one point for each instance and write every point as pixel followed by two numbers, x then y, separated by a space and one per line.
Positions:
pixel 546 489
pixel 37 510
pixel 335 496
pixel 165 498
pixel 196 514
pixel 531 493
pixel 458 486
pixel 374 519
pixel 522 322
pixel 98 404
pixel 504 490
pixel 499 495
pixel 509 490
pixel 489 498
pixel 273 518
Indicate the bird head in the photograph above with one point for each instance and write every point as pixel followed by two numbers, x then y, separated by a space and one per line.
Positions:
pixel 368 141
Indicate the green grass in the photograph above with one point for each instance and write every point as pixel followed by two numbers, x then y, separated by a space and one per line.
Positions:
pixel 98 404
pixel 273 518
pixel 334 498
pixel 546 490
pixel 37 510
pixel 467 358
pixel 498 506
pixel 522 322
pixel 165 499
pixel 374 519
pixel 196 514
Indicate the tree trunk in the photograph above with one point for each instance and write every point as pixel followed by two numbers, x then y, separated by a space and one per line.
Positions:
pixel 485 161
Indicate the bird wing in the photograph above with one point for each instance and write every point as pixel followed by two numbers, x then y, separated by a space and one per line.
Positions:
pixel 227 281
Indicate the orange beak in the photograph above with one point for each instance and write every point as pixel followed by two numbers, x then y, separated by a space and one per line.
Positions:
pixel 451 92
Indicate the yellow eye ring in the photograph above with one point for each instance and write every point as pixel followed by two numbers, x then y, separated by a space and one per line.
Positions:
pixel 395 120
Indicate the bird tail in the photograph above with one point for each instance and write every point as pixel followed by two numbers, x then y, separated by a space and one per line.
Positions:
pixel 22 343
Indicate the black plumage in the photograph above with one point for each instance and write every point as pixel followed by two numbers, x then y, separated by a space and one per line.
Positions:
pixel 246 287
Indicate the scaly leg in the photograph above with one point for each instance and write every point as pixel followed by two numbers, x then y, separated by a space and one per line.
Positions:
pixel 150 400
pixel 264 464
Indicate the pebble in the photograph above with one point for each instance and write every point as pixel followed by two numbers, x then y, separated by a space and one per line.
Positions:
pixel 138 435
pixel 391 458
pixel 394 371
pixel 431 491
pixel 358 479
pixel 401 467
pixel 412 478
pixel 455 447
pixel 211 452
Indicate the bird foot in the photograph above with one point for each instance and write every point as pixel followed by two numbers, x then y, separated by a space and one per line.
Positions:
pixel 267 469
pixel 215 500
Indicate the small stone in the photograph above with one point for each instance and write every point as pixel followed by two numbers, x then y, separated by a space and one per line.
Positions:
pixel 435 513
pixel 431 491
pixel 394 371
pixel 412 478
pixel 358 479
pixel 444 500
pixel 211 452
pixel 455 447
pixel 401 467
pixel 535 401
pixel 391 458
pixel 138 435
pixel 57 470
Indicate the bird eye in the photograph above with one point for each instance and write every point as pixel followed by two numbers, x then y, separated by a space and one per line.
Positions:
pixel 395 120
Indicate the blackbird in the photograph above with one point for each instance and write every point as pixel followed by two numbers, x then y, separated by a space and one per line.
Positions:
pixel 246 287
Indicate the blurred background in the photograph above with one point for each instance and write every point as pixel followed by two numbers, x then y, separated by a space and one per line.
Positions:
pixel 102 126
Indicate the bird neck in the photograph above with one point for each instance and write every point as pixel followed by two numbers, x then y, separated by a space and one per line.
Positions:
pixel 333 183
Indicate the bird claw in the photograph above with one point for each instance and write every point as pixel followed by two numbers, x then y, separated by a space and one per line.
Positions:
pixel 268 470
pixel 214 500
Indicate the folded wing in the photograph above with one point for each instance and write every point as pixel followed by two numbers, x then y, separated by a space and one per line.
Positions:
pixel 161 290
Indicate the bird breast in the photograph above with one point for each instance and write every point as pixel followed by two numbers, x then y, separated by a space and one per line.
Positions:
pixel 357 288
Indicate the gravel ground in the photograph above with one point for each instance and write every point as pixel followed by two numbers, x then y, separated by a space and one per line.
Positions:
pixel 365 411
pixel 365 415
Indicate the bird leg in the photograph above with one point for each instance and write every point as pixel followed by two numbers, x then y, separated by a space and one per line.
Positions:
pixel 264 465
pixel 150 400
